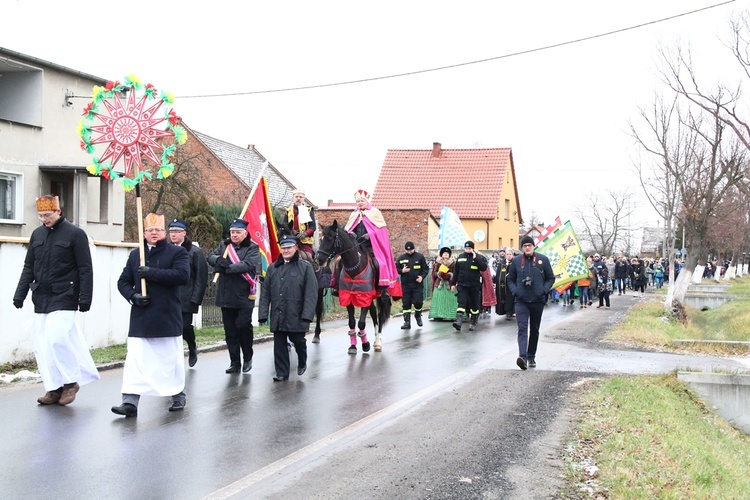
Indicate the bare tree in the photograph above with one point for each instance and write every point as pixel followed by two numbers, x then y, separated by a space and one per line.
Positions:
pixel 668 144
pixel 605 221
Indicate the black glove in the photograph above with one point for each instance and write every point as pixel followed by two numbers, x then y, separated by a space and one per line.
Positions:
pixel 18 304
pixel 83 307
pixel 143 271
pixel 222 262
pixel 140 300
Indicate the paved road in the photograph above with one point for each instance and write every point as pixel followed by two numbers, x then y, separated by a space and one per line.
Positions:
pixel 437 414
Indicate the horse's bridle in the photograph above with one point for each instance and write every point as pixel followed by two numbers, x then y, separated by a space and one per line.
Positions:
pixel 336 250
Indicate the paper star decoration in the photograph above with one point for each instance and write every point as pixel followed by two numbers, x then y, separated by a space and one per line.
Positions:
pixel 129 130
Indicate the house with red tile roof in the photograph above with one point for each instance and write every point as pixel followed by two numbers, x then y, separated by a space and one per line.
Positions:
pixel 478 184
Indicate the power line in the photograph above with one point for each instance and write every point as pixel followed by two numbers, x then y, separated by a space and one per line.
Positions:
pixel 458 65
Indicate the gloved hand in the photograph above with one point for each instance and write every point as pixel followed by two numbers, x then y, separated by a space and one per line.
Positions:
pixel 84 307
pixel 18 304
pixel 222 262
pixel 143 271
pixel 140 300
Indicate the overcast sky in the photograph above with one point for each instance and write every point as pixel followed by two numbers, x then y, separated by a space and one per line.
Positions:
pixel 564 111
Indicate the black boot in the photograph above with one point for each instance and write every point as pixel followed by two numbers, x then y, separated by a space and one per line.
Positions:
pixel 418 317
pixel 192 356
pixel 459 319
pixel 407 321
pixel 473 325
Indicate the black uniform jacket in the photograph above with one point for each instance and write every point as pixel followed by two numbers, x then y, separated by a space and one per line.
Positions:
pixel 232 290
pixel 417 267
pixel 288 295
pixel 192 294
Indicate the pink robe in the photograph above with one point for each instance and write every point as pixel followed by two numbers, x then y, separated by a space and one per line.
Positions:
pixel 381 243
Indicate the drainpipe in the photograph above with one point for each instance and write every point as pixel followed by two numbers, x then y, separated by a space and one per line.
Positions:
pixel 487 237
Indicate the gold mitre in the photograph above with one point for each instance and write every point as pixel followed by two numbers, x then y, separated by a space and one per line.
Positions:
pixel 298 191
pixel 153 220
pixel 47 203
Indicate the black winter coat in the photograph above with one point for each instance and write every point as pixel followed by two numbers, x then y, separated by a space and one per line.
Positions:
pixel 469 269
pixel 289 292
pixel 57 269
pixel 191 295
pixel 417 267
pixel 538 269
pixel 232 290
pixel 169 269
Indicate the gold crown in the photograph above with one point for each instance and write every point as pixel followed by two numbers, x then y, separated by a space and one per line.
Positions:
pixel 362 194
pixel 153 220
pixel 47 203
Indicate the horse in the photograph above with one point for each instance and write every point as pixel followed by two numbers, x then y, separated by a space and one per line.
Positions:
pixel 323 275
pixel 357 280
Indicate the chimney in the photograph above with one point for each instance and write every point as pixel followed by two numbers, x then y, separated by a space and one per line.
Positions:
pixel 251 146
pixel 436 150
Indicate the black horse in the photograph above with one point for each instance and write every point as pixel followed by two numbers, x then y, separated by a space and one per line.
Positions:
pixel 356 280
pixel 322 274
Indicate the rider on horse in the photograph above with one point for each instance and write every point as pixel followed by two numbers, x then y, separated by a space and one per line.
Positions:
pixel 368 224
pixel 301 220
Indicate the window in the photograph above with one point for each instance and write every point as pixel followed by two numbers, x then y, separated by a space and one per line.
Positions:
pixel 507 209
pixel 11 187
pixel 20 93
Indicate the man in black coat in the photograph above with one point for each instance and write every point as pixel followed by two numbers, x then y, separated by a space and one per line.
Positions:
pixel 412 268
pixel 530 279
pixel 287 297
pixel 468 279
pixel 237 260
pixel 58 271
pixel 155 362
pixel 191 295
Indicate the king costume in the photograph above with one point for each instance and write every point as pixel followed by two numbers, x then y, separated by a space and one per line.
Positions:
pixel 155 361
pixel 59 273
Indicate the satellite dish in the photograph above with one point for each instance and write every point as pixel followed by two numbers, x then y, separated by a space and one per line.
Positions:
pixel 478 235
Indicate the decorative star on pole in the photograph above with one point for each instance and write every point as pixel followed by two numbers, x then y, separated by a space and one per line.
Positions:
pixel 129 128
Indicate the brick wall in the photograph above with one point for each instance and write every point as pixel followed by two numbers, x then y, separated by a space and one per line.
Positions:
pixel 403 226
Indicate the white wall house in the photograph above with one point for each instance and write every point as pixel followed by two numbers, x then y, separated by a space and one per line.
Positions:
pixel 41 104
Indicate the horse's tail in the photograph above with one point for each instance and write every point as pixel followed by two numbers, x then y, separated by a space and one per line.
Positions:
pixel 384 308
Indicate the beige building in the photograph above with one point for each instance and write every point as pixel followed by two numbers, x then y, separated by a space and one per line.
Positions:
pixel 478 184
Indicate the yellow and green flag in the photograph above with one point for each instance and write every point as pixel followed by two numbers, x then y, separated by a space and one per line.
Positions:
pixel 565 255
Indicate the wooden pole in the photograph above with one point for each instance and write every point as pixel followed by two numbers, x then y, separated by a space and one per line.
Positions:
pixel 141 250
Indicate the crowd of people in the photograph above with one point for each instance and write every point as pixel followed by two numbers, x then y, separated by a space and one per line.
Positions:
pixel 165 280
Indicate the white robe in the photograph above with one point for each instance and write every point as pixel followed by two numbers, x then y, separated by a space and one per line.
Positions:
pixel 154 366
pixel 62 354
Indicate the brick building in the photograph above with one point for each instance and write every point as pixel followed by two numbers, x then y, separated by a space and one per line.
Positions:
pixel 403 225
pixel 222 172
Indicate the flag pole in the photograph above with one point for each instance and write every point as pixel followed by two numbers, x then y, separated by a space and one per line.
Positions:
pixel 247 204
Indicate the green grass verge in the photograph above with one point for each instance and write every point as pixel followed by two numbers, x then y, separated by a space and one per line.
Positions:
pixel 651 437
pixel 648 325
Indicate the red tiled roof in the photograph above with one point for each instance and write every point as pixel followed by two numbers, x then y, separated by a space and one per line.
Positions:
pixel 470 181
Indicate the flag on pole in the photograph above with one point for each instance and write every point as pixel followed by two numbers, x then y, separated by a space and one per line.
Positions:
pixel 452 232
pixel 549 230
pixel 565 255
pixel 261 227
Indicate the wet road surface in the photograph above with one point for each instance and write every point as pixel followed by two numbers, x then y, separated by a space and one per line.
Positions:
pixel 241 431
